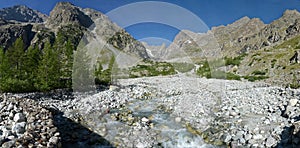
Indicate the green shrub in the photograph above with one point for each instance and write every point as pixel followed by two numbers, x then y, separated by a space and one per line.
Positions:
pixel 235 60
pixel 273 63
pixel 204 70
pixel 257 72
pixel 255 78
pixel 183 67
pixel 151 69
pixel 231 76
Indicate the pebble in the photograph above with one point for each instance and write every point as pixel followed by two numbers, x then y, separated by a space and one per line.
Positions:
pixel 19 128
pixel 19 117
pixel 293 102
pixel 257 137
pixel 271 141
pixel 177 119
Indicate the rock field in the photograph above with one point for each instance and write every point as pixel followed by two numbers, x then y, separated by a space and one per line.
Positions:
pixel 169 111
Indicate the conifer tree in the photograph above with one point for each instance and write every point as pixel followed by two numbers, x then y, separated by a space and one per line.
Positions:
pixel 49 69
pixel 4 70
pixel 16 55
pixel 32 59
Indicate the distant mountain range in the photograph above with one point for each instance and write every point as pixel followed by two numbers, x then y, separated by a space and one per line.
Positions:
pixel 265 47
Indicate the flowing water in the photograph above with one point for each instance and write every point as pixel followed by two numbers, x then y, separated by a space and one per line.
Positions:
pixel 170 132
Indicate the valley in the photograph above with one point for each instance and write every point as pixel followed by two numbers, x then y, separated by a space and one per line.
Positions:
pixel 77 79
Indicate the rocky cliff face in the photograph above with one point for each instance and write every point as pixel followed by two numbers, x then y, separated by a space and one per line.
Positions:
pixel 124 41
pixel 243 35
pixel 67 18
pixel 10 32
pixel 65 13
pixel 22 13
pixel 223 38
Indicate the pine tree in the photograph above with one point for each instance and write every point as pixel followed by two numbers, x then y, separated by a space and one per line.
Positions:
pixel 32 59
pixel 16 81
pixel 16 55
pixel 4 70
pixel 49 69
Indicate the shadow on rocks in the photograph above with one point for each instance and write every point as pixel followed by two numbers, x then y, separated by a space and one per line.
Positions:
pixel 290 136
pixel 74 135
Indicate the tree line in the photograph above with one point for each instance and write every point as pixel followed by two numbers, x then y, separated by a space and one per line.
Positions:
pixel 32 69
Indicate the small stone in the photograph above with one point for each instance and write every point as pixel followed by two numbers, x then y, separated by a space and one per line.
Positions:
pixel 258 137
pixel 227 139
pixel 271 141
pixel 10 107
pixel 6 133
pixel 293 102
pixel 57 134
pixel 11 115
pixel 19 117
pixel 145 120
pixel 233 113
pixel 242 140
pixel 248 136
pixel 53 140
pixel 8 144
pixel 177 119
pixel 267 121
pixel 19 128
pixel 11 137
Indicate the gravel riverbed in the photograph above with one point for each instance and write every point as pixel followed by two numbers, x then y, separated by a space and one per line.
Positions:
pixel 164 111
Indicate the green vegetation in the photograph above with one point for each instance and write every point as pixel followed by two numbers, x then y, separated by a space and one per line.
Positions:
pixel 234 60
pixel 48 70
pixel 255 78
pixel 295 83
pixel 231 76
pixel 14 70
pixel 150 68
pixel 292 43
pixel 104 76
pixel 183 67
pixel 28 69
pixel 257 72
pixel 205 71
pixel 273 63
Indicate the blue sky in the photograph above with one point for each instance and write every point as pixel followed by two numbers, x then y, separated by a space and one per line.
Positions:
pixel 211 12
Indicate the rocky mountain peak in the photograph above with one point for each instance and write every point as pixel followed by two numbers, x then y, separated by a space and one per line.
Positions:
pixel 65 13
pixel 288 18
pixel 290 12
pixel 240 21
pixel 22 13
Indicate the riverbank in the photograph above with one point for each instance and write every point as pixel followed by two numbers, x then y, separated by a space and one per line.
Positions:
pixel 169 111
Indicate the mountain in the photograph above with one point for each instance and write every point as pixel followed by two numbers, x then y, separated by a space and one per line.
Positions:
pixel 222 39
pixel 241 36
pixel 22 13
pixel 251 49
pixel 73 22
pixel 65 13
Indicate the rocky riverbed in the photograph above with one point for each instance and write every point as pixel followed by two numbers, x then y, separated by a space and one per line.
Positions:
pixel 169 111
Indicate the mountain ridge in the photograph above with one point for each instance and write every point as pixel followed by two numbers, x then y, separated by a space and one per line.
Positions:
pixel 66 15
pixel 22 13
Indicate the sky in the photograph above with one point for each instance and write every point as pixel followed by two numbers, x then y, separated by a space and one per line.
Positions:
pixel 164 20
